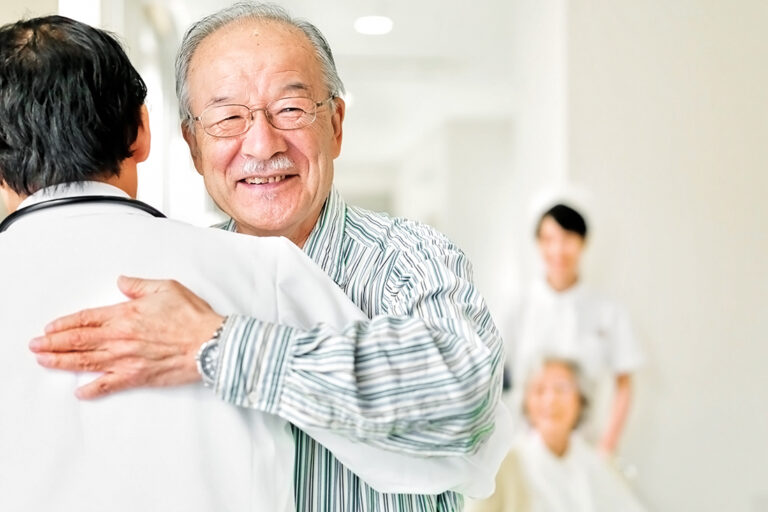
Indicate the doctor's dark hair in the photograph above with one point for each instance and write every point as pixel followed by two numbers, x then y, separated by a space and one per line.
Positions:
pixel 70 103
pixel 567 218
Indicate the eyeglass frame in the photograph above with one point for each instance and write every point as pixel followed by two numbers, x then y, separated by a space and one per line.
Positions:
pixel 252 111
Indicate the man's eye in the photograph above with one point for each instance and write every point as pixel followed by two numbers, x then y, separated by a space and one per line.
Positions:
pixel 290 110
pixel 233 117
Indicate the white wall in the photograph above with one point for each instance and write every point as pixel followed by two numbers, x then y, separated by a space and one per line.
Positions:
pixel 538 62
pixel 464 193
pixel 473 177
pixel 668 123
pixel 13 11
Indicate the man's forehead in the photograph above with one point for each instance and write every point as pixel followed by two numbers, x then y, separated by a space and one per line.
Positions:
pixel 262 57
pixel 256 42
pixel 260 31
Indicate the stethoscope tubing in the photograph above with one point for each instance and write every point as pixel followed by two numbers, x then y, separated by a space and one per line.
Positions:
pixel 63 201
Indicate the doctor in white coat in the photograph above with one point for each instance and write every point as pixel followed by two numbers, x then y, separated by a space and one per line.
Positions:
pixel 74 129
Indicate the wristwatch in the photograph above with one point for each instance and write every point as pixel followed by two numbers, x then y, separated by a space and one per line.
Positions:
pixel 208 357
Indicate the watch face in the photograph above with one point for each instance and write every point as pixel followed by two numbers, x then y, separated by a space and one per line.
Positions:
pixel 208 357
pixel 207 361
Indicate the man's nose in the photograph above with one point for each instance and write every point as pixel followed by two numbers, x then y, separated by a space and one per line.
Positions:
pixel 262 141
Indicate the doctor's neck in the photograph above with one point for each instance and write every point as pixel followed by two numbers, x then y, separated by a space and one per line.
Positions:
pixel 125 181
pixel 10 198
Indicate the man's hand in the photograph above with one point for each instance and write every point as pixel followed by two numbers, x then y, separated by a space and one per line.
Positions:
pixel 149 341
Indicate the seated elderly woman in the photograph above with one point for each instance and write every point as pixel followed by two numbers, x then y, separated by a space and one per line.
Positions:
pixel 551 468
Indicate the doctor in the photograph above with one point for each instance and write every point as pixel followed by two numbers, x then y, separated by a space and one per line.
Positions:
pixel 262 114
pixel 74 129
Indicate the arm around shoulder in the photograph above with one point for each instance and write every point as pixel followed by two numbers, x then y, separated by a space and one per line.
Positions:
pixel 422 376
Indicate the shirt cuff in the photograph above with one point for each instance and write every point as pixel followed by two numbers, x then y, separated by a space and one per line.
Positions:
pixel 253 363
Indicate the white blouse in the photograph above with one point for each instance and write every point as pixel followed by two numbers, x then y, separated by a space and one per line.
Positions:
pixel 574 324
pixel 580 481
pixel 533 479
pixel 578 325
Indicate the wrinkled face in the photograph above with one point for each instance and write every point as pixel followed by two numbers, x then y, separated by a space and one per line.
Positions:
pixel 552 401
pixel 272 182
pixel 560 249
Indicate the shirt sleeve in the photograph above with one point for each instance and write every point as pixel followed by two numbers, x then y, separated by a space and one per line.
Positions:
pixel 626 356
pixel 424 377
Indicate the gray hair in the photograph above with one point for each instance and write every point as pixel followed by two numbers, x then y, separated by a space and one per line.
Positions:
pixel 249 11
pixel 583 384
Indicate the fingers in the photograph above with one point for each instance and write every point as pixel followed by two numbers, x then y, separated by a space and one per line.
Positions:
pixel 136 287
pixel 75 361
pixel 174 374
pixel 103 386
pixel 73 340
pixel 132 287
pixel 85 318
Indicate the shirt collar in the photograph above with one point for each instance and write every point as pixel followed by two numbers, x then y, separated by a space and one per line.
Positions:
pixel 80 188
pixel 543 290
pixel 324 244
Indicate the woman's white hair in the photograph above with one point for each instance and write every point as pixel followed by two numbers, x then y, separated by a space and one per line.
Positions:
pixel 584 386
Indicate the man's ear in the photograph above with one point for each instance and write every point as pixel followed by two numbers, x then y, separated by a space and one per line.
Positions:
pixel 194 149
pixel 337 119
pixel 141 145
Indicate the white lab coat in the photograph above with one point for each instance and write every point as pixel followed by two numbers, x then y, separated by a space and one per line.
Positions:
pixel 177 448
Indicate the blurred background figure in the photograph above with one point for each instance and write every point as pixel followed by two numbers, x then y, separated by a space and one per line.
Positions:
pixel 560 316
pixel 551 468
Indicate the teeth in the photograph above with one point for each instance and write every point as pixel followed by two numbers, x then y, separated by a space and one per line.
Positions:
pixel 261 181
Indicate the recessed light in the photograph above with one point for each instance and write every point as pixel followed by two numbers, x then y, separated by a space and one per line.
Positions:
pixel 373 25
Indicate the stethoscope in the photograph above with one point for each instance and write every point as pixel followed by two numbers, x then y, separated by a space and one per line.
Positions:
pixel 63 201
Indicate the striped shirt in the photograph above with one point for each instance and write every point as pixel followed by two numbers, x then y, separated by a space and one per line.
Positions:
pixel 421 376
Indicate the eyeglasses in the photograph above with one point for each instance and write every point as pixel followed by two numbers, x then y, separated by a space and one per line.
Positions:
pixel 284 114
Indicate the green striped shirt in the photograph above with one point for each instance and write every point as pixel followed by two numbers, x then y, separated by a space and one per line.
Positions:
pixel 421 376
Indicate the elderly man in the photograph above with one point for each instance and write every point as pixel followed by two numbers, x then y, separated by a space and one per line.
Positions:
pixel 262 115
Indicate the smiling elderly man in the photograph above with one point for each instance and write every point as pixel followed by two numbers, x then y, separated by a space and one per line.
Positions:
pixel 262 114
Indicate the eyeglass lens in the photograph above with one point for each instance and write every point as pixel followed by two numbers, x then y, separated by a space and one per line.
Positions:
pixel 283 114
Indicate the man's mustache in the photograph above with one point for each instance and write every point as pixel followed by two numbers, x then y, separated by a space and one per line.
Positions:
pixel 276 163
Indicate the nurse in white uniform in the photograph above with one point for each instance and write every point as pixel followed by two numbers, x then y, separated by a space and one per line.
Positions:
pixel 560 316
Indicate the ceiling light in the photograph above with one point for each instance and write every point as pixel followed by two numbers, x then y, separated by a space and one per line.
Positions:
pixel 373 25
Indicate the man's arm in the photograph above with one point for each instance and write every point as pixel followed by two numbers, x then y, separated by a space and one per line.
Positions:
pixel 422 378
